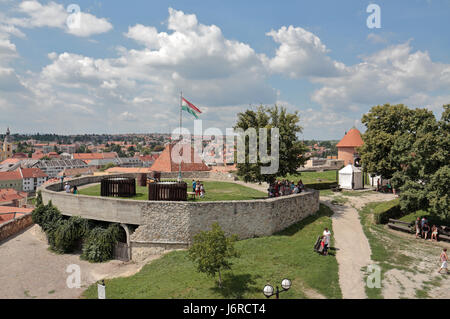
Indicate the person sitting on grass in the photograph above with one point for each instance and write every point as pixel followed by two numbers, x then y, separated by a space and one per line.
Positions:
pixel 425 231
pixel 434 233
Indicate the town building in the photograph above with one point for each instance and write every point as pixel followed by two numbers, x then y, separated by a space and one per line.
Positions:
pixel 165 163
pixel 11 180
pixel 12 197
pixel 53 167
pixel 32 178
pixel 347 147
pixel 94 156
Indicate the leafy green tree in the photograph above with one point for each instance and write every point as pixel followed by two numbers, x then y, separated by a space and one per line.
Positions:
pixel 291 150
pixel 212 251
pixel 411 148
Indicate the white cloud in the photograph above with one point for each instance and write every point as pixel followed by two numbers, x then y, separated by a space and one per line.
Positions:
pixel 391 75
pixel 89 25
pixel 54 15
pixel 301 54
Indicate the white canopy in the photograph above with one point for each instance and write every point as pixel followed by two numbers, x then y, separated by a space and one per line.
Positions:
pixel 351 177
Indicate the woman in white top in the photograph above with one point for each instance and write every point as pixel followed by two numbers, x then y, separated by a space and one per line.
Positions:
pixel 327 235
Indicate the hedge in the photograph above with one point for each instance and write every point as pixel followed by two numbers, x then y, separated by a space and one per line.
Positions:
pixel 386 210
pixel 324 185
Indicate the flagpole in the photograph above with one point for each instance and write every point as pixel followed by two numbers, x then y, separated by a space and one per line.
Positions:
pixel 181 108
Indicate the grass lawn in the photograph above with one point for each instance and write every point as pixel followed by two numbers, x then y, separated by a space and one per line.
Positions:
pixel 313 177
pixel 214 191
pixel 288 254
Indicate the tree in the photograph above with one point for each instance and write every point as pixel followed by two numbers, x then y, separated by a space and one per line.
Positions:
pixel 212 250
pixel 291 150
pixel 411 148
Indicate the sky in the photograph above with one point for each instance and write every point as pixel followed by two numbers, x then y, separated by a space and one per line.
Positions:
pixel 78 67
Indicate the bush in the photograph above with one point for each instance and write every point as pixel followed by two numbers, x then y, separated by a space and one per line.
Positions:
pixel 100 243
pixel 64 234
pixel 319 186
pixel 386 210
pixel 68 233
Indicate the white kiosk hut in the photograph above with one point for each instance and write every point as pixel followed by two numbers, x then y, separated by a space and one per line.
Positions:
pixel 351 177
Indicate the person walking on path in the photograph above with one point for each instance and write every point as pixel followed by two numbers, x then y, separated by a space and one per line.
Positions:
pixel 327 235
pixel 444 260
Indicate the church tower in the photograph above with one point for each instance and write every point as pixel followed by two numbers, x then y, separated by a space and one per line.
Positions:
pixel 6 151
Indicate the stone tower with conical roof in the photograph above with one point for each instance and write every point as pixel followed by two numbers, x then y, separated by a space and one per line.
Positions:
pixel 348 145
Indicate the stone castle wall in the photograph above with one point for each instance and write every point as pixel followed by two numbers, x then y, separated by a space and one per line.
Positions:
pixel 166 225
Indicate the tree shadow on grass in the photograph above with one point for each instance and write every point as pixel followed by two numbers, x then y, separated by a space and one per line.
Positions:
pixel 324 211
pixel 235 286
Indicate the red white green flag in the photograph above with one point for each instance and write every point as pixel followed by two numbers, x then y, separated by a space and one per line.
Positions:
pixel 190 108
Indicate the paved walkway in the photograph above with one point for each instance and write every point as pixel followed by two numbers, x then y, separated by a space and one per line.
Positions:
pixel 353 249
pixel 30 270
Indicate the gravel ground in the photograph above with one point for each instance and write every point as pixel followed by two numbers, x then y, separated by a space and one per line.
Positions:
pixel 30 270
pixel 352 247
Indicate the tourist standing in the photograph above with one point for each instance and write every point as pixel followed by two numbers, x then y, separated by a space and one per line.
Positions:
pixel 417 225
pixel 425 231
pixel 75 190
pixel 197 188
pixel 193 185
pixel 443 258
pixel 67 188
pixel 202 191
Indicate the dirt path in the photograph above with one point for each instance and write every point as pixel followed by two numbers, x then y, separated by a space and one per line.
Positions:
pixel 30 270
pixel 352 247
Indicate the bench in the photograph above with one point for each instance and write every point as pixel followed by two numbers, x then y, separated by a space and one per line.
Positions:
pixel 443 233
pixel 400 225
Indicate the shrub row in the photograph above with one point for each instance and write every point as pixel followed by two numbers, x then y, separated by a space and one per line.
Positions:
pixel 323 185
pixel 64 234
pixel 386 210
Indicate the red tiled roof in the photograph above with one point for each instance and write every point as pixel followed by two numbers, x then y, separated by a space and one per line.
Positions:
pixel 164 162
pixel 8 176
pixel 20 156
pixel 94 156
pixel 351 139
pixel 9 194
pixel 33 172
pixel 37 155
pixel 11 161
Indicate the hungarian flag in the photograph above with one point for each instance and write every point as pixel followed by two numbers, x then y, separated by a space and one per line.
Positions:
pixel 190 108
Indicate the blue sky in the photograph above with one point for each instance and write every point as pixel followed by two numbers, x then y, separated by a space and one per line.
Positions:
pixel 121 70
